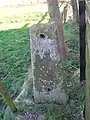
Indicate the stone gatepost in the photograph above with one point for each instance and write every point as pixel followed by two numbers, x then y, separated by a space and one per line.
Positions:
pixel 48 83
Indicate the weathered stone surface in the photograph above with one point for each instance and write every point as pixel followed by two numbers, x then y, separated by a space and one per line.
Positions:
pixel 48 84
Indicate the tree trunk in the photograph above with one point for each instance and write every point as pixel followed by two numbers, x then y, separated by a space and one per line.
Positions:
pixel 55 16
pixel 75 10
pixel 87 115
pixel 37 1
pixel 87 92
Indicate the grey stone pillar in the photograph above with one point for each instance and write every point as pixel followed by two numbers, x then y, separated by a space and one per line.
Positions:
pixel 48 83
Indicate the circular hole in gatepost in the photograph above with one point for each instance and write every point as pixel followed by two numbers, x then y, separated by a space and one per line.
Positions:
pixel 49 89
pixel 42 35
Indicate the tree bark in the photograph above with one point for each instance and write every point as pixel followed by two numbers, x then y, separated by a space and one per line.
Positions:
pixel 87 92
pixel 86 5
pixel 75 10
pixel 55 16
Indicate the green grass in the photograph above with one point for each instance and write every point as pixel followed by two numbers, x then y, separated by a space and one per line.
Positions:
pixel 71 32
pixel 17 17
pixel 15 57
pixel 15 45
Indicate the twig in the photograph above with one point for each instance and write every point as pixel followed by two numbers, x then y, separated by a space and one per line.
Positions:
pixel 43 17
